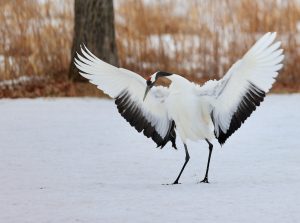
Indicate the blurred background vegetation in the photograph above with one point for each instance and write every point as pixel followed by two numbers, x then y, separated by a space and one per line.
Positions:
pixel 199 39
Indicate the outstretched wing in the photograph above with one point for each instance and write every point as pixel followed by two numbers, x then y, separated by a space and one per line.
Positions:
pixel 243 88
pixel 127 88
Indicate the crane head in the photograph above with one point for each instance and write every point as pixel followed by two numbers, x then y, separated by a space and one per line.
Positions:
pixel 151 80
pixel 150 84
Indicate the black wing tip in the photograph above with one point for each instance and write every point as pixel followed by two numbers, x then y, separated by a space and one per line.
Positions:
pixel 171 136
pixel 252 99
pixel 133 115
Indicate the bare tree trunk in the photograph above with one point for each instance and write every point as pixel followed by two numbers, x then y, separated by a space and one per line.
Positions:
pixel 94 26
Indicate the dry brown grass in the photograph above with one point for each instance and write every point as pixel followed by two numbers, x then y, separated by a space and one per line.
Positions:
pixel 200 39
pixel 210 34
pixel 35 38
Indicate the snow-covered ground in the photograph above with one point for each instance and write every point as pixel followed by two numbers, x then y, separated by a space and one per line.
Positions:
pixel 77 160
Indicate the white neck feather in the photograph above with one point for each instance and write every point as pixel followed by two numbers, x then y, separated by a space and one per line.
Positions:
pixel 179 81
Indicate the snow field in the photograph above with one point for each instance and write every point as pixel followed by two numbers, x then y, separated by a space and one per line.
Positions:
pixel 77 160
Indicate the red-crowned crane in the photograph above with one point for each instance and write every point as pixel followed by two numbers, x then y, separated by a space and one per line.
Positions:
pixel 215 110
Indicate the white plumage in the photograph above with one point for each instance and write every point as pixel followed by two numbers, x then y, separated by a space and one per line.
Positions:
pixel 215 110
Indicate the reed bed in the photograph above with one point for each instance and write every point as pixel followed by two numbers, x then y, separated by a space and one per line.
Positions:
pixel 199 39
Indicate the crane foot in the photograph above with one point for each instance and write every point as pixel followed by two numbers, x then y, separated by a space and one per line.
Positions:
pixel 205 180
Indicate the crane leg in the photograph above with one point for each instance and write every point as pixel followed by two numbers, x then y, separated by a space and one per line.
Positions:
pixel 187 158
pixel 210 147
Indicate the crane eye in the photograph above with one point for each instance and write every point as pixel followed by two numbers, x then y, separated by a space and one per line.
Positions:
pixel 148 82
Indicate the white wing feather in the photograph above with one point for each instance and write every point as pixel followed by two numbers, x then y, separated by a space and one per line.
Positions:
pixel 115 81
pixel 255 72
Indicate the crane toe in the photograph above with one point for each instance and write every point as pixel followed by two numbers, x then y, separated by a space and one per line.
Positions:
pixel 175 183
pixel 205 180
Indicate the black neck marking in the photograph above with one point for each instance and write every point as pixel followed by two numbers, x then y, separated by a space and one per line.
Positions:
pixel 162 74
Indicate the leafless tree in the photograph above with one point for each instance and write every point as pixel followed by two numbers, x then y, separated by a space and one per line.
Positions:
pixel 94 27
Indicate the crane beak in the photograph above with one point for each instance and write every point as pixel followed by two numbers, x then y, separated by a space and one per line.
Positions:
pixel 146 91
